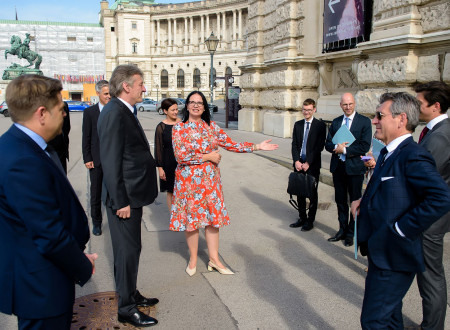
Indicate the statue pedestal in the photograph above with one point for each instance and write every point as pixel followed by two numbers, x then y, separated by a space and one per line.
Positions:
pixel 16 70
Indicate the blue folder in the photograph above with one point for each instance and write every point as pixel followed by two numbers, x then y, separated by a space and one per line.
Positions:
pixel 343 135
pixel 377 145
pixel 355 237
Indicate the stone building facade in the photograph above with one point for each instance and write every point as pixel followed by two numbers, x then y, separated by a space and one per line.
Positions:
pixel 408 44
pixel 275 50
pixel 167 42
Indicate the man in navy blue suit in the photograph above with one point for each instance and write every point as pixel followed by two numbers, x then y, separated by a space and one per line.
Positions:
pixel 404 197
pixel 43 227
pixel 346 165
pixel 91 153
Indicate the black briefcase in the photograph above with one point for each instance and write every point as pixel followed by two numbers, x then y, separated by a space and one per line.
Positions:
pixel 301 184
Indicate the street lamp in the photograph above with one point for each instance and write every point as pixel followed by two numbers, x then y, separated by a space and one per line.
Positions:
pixel 211 44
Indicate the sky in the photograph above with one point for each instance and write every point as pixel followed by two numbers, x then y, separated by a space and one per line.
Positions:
pixel 74 11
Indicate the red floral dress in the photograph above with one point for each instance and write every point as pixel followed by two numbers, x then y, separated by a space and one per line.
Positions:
pixel 197 196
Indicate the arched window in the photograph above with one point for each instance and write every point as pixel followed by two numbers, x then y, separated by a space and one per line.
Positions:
pixel 180 78
pixel 214 76
pixel 197 81
pixel 134 46
pixel 228 71
pixel 164 79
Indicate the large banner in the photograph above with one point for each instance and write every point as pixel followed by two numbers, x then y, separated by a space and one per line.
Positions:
pixel 343 19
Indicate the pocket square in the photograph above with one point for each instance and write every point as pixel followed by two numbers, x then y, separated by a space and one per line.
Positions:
pixel 386 178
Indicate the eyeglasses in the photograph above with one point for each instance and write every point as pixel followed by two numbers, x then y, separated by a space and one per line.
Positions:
pixel 307 110
pixel 347 105
pixel 193 103
pixel 380 115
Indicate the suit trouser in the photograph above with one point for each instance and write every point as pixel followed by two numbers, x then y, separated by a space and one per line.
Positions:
pixel 313 201
pixel 383 295
pixel 346 185
pixel 432 284
pixel 96 176
pixel 60 322
pixel 126 243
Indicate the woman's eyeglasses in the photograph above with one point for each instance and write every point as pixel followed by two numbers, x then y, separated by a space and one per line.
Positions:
pixel 193 103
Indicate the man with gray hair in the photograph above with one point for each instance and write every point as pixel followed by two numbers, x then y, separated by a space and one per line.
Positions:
pixel 91 153
pixel 404 197
pixel 129 178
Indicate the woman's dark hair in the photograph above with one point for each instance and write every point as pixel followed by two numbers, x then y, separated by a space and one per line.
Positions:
pixel 167 103
pixel 205 115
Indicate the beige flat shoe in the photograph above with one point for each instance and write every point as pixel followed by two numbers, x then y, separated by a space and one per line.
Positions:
pixel 223 271
pixel 191 271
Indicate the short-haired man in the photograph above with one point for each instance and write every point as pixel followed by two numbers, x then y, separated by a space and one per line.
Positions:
pixel 434 99
pixel 404 197
pixel 91 153
pixel 129 177
pixel 346 165
pixel 43 227
pixel 308 140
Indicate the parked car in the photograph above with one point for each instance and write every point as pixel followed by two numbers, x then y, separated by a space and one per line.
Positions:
pixel 146 105
pixel 77 105
pixel 180 103
pixel 213 107
pixel 4 109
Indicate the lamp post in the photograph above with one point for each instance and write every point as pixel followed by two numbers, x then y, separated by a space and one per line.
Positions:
pixel 211 44
pixel 157 88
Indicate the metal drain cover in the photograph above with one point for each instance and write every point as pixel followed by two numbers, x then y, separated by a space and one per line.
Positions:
pixel 99 311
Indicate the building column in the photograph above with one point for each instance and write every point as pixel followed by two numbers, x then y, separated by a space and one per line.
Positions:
pixel 152 36
pixel 224 26
pixel 175 39
pixel 185 31
pixel 234 25
pixel 202 29
pixel 240 24
pixel 169 33
pixel 219 32
pixel 208 31
pixel 159 32
pixel 192 29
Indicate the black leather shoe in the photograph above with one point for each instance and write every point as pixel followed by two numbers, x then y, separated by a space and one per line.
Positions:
pixel 339 236
pixel 348 241
pixel 141 301
pixel 97 229
pixel 307 226
pixel 138 319
pixel 297 224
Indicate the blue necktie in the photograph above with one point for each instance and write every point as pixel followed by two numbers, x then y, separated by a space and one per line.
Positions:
pixel 305 138
pixel 347 120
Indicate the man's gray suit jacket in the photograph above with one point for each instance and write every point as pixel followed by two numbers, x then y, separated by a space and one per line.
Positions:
pixel 437 142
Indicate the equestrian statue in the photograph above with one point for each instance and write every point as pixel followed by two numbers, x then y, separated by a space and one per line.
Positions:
pixel 22 51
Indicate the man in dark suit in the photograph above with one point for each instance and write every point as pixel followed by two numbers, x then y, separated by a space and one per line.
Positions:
pixel 61 142
pixel 434 99
pixel 91 153
pixel 129 177
pixel 306 154
pixel 43 227
pixel 346 165
pixel 404 197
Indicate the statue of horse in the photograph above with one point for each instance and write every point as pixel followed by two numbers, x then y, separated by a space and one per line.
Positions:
pixel 22 50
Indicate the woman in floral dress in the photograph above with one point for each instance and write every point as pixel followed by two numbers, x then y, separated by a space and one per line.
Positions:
pixel 197 198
